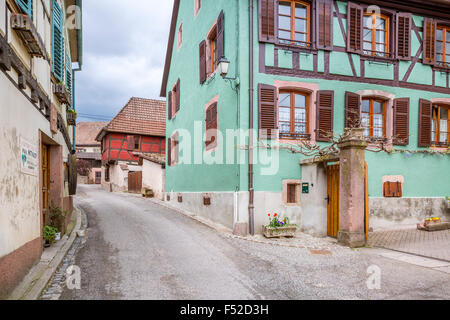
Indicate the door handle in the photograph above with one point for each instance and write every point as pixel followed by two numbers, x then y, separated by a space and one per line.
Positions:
pixel 328 199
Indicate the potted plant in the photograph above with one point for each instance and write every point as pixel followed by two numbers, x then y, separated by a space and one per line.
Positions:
pixel 49 235
pixel 279 228
pixel 71 117
pixel 57 218
pixel 448 202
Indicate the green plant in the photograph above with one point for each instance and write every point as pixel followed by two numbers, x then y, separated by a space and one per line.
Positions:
pixel 70 110
pixel 49 234
pixel 275 222
pixel 57 217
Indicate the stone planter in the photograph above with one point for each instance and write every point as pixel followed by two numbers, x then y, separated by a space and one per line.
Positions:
pixel 288 232
pixel 71 118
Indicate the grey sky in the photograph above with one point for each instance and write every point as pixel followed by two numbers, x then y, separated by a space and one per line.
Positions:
pixel 124 48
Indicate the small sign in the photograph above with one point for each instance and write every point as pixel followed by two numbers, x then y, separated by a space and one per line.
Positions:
pixel 305 187
pixel 29 158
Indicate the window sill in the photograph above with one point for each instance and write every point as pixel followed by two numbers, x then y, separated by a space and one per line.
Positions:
pixel 294 47
pixel 441 68
pixel 377 59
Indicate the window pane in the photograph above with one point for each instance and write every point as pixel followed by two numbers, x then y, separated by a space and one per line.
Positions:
pixel 448 36
pixel 439 57
pixel 447 50
pixel 300 115
pixel 285 100
pixel 377 107
pixel 381 48
pixel 365 120
pixel 285 8
pixel 285 114
pixel 439 46
pixel 378 132
pixel 300 10
pixel 381 23
pixel 444 115
pixel 439 34
pixel 284 35
pixel 368 22
pixel 285 127
pixel 300 25
pixel 381 36
pixel 300 128
pixel 300 37
pixel 300 101
pixel 378 120
pixel 368 35
pixel 365 107
pixel 284 23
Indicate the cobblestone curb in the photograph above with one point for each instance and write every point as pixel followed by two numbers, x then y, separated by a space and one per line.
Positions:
pixel 39 276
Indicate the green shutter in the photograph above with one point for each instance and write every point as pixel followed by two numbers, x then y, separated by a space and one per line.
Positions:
pixel 26 6
pixel 57 41
pixel 68 74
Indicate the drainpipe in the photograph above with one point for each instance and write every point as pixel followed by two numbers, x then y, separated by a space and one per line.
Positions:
pixel 73 105
pixel 79 4
pixel 251 206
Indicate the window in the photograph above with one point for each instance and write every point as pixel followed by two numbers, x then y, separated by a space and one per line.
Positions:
pixel 373 117
pixel 107 178
pixel 293 23
pixel 211 120
pixel 439 129
pixel 58 41
pixel 173 145
pixel 293 114
pixel 291 193
pixel 376 35
pixel 137 143
pixel 180 36
pixel 392 189
pixel 212 52
pixel 443 46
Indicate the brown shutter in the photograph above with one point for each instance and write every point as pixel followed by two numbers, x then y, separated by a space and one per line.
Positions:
pixel 178 95
pixel 267 12
pixel 425 111
pixel 202 54
pixel 267 98
pixel 176 148
pixel 220 36
pixel 324 25
pixel 130 143
pixel 291 193
pixel 169 104
pixel 354 27
pixel 169 152
pixel 429 41
pixel 401 122
pixel 404 36
pixel 325 108
pixel 211 124
pixel 352 110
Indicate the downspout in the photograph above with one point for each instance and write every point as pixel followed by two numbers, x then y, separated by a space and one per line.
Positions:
pixel 80 63
pixel 251 206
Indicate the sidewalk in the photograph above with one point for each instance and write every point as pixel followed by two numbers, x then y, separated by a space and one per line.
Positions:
pixel 37 279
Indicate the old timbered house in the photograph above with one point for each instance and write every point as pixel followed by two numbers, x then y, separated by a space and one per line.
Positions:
pixel 299 71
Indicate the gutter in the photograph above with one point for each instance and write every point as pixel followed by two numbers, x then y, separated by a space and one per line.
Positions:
pixel 80 64
pixel 251 205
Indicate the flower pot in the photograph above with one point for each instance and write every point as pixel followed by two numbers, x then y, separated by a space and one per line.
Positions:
pixel 288 232
pixel 58 236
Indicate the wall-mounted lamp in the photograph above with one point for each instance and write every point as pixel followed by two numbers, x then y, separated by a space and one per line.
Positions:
pixel 223 67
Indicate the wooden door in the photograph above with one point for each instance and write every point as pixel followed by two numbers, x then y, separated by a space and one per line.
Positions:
pixel 45 174
pixel 333 200
pixel 98 177
pixel 135 182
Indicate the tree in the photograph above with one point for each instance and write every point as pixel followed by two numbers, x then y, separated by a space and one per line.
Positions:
pixel 84 167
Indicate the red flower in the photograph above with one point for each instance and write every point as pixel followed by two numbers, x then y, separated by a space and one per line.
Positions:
pixel 269 214
pixel 276 214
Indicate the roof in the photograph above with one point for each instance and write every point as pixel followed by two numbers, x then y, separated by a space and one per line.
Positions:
pixel 87 131
pixel 173 25
pixel 153 157
pixel 89 156
pixel 139 116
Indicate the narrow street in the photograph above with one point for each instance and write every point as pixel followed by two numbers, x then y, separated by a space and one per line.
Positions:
pixel 136 249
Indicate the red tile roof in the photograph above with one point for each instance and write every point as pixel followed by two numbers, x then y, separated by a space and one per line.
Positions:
pixel 141 116
pixel 87 131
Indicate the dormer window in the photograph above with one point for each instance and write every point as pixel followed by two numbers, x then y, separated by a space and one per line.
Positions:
pixel 294 18
pixel 376 35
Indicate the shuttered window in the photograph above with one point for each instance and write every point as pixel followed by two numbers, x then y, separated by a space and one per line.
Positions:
pixel 169 152
pixel 325 114
pixel 354 27
pixel 443 46
pixel 294 19
pixel 352 110
pixel 376 35
pixel 440 127
pixel 293 114
pixel 267 111
pixel 68 64
pixel 401 122
pixel 425 114
pixel 392 190
pixel 220 41
pixel 373 118
pixel 267 27
pixel 325 24
pixel 130 143
pixel 169 105
pixel 26 6
pixel 175 99
pixel 404 36
pixel 211 119
pixel 57 42
pixel 202 62
pixel 429 41
pixel 291 193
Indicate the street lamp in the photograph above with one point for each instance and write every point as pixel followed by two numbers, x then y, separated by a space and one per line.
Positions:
pixel 224 64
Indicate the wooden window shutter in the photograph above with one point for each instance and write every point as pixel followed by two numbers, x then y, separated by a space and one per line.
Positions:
pixel 425 116
pixel 220 36
pixel 26 6
pixel 401 122
pixel 429 41
pixel 291 193
pixel 211 124
pixel 176 147
pixel 267 101
pixel 392 190
pixel 169 105
pixel 324 25
pixel 352 110
pixel 178 102
pixel 130 143
pixel 169 152
pixel 267 13
pixel 354 27
pixel 325 110
pixel 404 36
pixel 57 42
pixel 202 54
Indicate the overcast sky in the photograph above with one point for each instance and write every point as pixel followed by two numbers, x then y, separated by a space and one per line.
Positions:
pixel 124 49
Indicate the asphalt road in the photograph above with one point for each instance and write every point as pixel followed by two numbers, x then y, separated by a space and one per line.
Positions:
pixel 136 249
